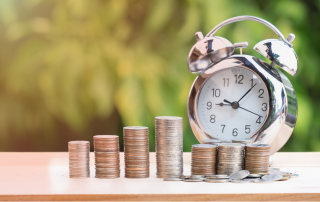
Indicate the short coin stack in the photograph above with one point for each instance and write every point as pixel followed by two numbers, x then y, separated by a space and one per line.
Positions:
pixel 203 159
pixel 257 158
pixel 136 151
pixel 79 157
pixel 169 146
pixel 106 150
pixel 230 158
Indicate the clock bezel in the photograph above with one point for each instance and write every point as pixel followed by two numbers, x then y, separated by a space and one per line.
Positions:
pixel 279 124
pixel 207 75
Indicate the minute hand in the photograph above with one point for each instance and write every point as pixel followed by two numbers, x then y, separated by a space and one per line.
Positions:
pixel 249 111
pixel 247 92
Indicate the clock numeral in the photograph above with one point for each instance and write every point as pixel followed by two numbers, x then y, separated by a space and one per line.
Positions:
pixel 264 107
pixel 251 82
pixel 239 78
pixel 259 120
pixel 216 92
pixel 209 105
pixel 247 129
pixel 225 81
pixel 235 132
pixel 213 118
pixel 261 91
pixel 223 126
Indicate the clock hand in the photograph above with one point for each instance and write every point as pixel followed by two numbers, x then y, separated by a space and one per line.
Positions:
pixel 227 101
pixel 221 104
pixel 247 92
pixel 249 111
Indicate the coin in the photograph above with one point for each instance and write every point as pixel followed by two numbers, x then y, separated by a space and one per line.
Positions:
pixel 107 161
pixel 254 175
pixel 257 158
pixel 262 181
pixel 217 180
pixel 79 159
pixel 230 158
pixel 193 180
pixel 169 146
pixel 136 151
pixel 212 141
pixel 203 159
pixel 272 177
pixel 239 175
pixel 241 181
pixel 295 175
pixel 173 179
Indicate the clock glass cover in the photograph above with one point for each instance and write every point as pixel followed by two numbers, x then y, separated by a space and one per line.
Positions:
pixel 233 103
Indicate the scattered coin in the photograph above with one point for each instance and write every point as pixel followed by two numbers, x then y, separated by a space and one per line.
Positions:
pixel 254 175
pixel 272 177
pixel 79 157
pixel 169 146
pixel 241 181
pixel 284 178
pixel 193 180
pixel 238 175
pixel 295 175
pixel 173 179
pixel 217 180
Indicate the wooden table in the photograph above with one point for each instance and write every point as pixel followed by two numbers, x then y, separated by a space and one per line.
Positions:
pixel 44 176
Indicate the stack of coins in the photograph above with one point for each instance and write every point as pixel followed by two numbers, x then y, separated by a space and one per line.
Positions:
pixel 136 151
pixel 79 157
pixel 212 141
pixel 230 158
pixel 106 150
pixel 257 158
pixel 245 141
pixel 203 159
pixel 169 146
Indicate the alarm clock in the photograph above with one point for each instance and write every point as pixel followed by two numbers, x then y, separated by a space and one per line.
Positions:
pixel 238 96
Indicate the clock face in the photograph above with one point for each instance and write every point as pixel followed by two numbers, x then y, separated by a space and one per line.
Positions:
pixel 233 103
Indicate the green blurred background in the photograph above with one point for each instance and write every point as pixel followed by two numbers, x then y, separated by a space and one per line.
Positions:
pixel 71 69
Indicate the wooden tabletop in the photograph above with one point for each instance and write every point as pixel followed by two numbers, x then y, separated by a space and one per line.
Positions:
pixel 45 177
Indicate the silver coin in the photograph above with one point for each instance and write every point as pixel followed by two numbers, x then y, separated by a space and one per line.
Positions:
pixel 239 175
pixel 241 181
pixel 193 180
pixel 272 177
pixel 254 175
pixel 173 179
pixel 218 176
pixel 295 175
pixel 217 180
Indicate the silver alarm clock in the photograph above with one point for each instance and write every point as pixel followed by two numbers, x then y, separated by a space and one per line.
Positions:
pixel 241 96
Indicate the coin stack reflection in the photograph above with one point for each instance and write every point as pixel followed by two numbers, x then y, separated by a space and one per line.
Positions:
pixel 203 159
pixel 257 158
pixel 79 158
pixel 136 151
pixel 106 150
pixel 169 146
pixel 230 158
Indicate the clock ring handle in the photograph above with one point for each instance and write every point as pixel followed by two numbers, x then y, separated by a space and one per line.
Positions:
pixel 252 18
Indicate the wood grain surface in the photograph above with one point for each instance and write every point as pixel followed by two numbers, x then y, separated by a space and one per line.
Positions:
pixel 45 177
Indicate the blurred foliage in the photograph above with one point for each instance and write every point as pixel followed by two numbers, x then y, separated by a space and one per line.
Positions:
pixel 70 69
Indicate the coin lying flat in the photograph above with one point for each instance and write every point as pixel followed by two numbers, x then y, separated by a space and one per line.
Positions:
pixel 295 175
pixel 217 180
pixel 239 175
pixel 193 180
pixel 254 175
pixel 262 181
pixel 241 181
pixel 218 176
pixel 272 177
pixel 173 179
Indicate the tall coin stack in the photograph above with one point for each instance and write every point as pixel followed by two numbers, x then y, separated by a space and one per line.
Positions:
pixel 203 159
pixel 169 146
pixel 106 150
pixel 230 158
pixel 136 151
pixel 257 158
pixel 79 158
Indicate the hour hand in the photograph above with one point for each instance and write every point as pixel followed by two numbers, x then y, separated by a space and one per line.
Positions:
pixel 222 104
